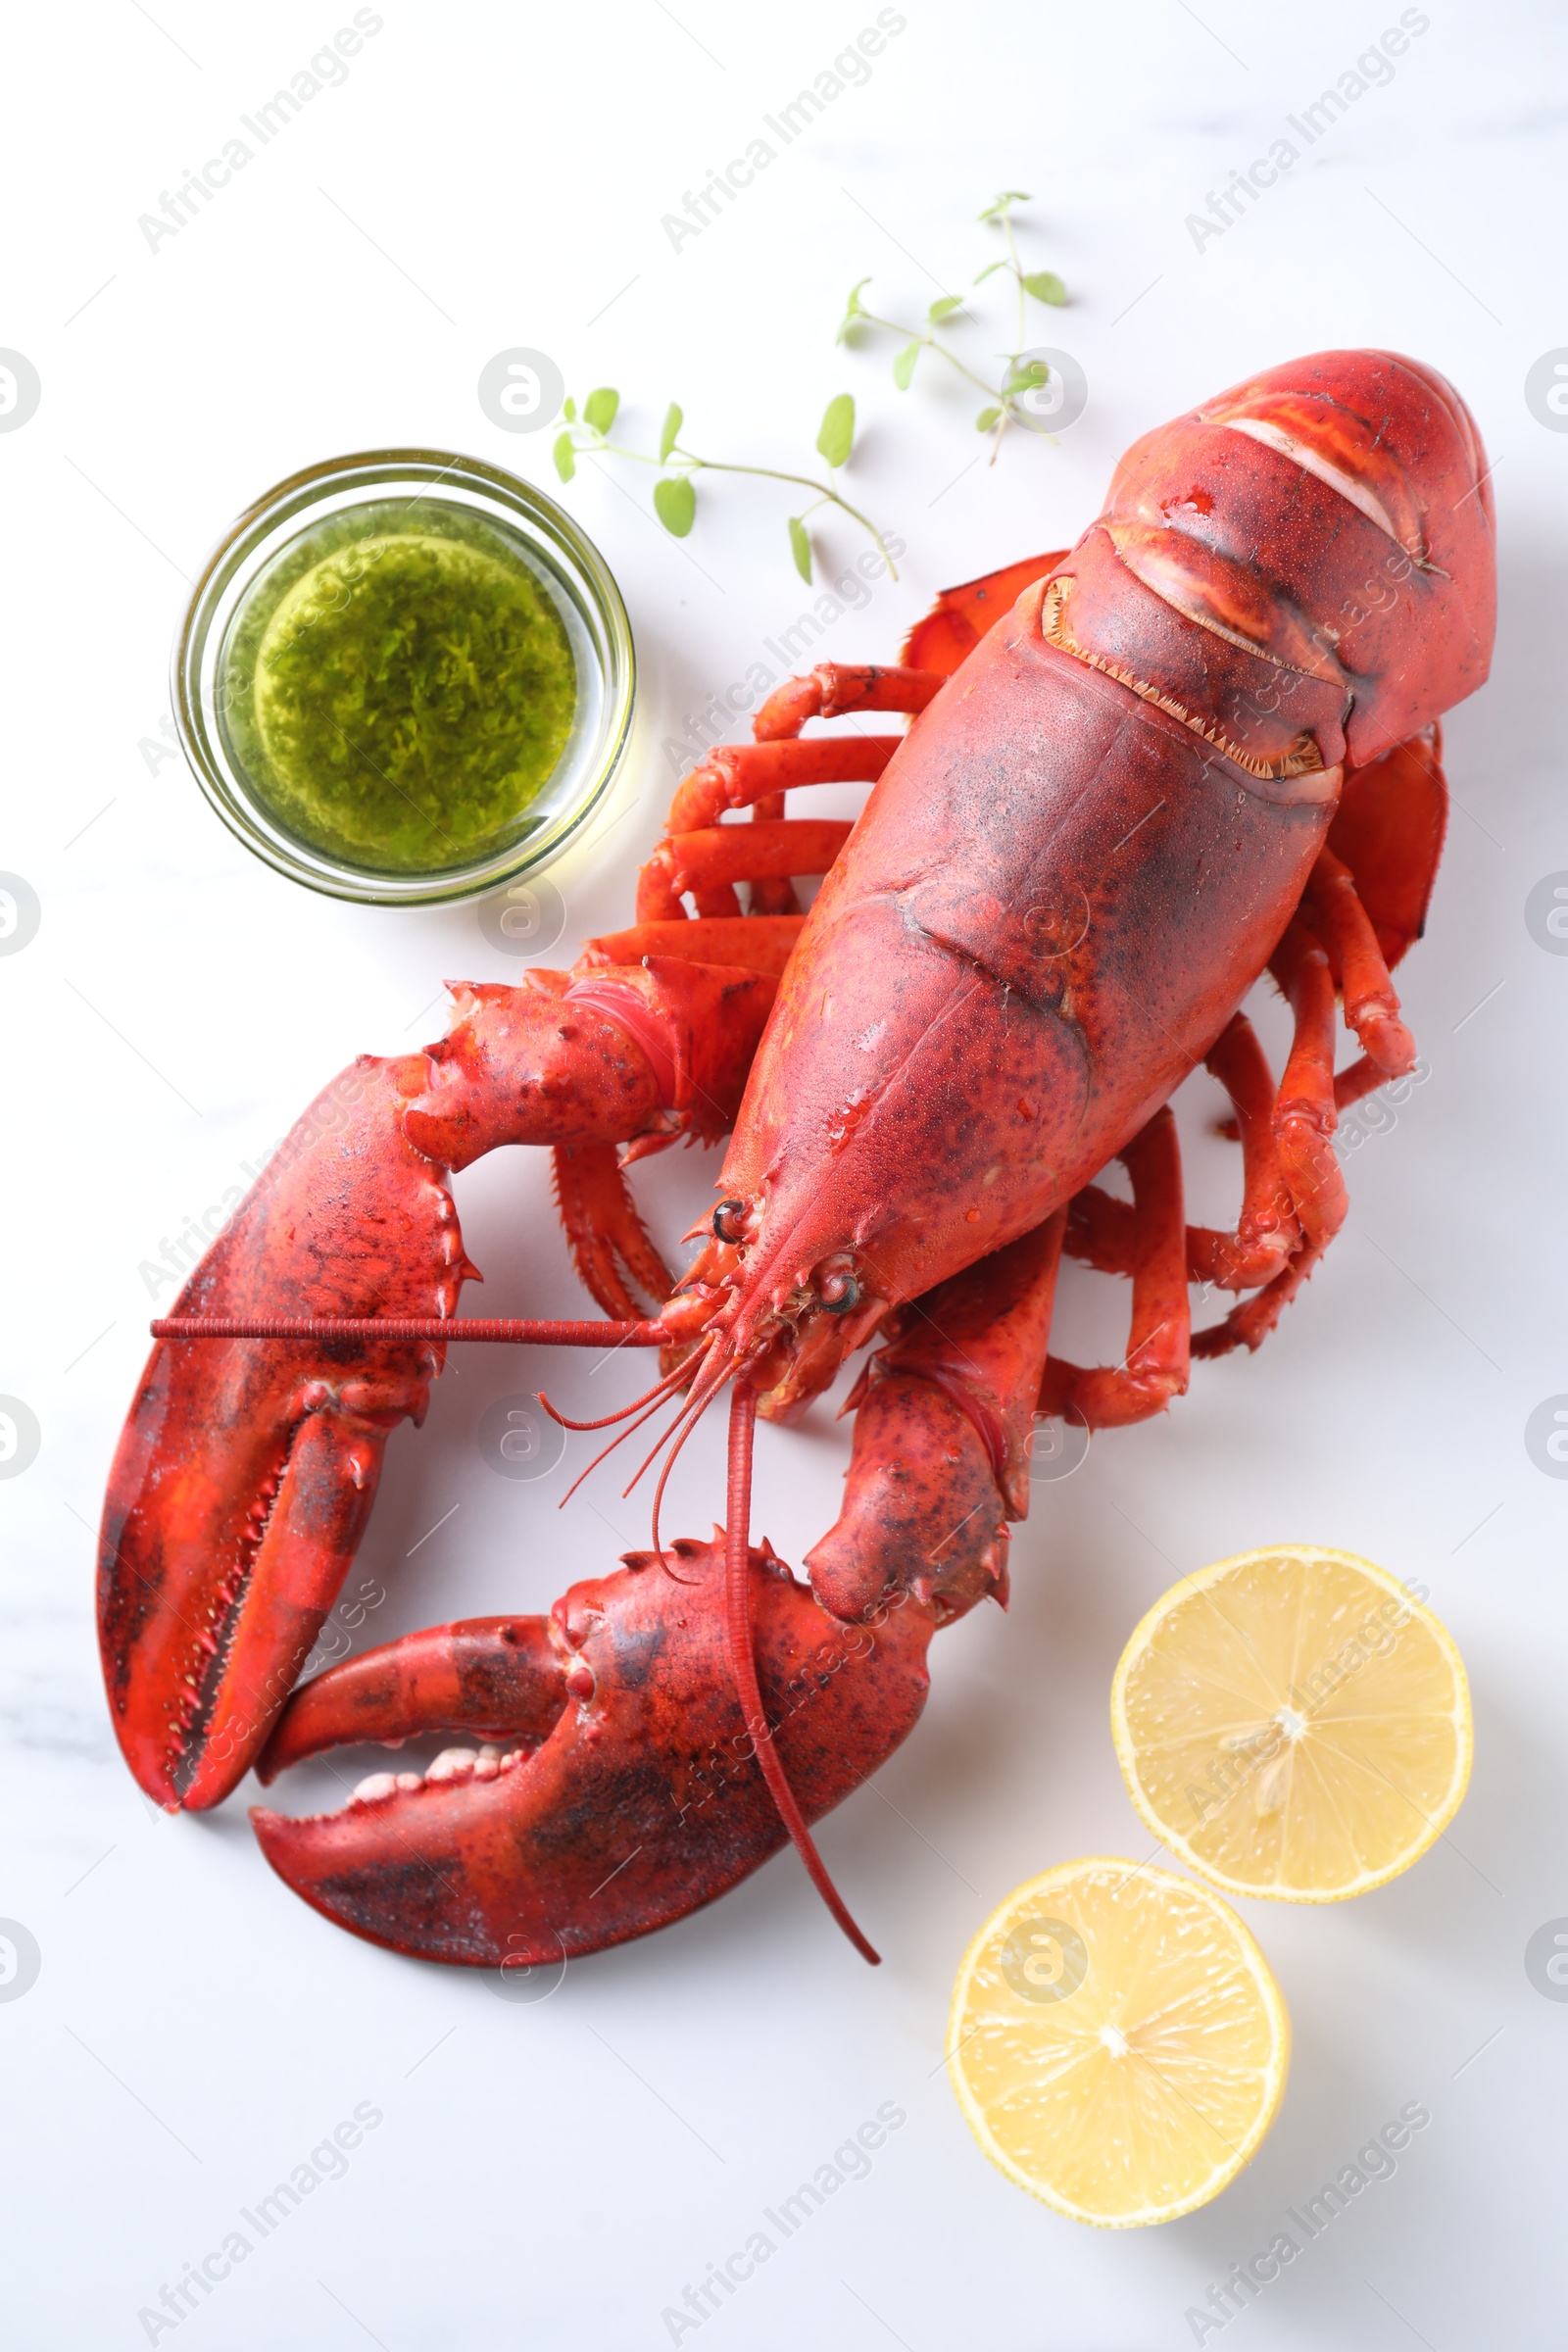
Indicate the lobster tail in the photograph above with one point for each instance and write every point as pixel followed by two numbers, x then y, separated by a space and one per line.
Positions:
pixel 1302 570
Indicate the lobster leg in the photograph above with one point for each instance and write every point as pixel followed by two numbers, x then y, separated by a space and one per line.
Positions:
pixel 1268 1232
pixel 1305 1115
pixel 1154 1368
pixel 1371 1006
pixel 644 1797
pixel 1103 1231
pixel 608 1240
pixel 1292 1143
pixel 1304 1120
pixel 1294 1197
pixel 1364 906
pixel 1250 1324
pixel 754 943
pixel 1367 903
pixel 736 774
pixel 834 689
pixel 714 857
pixel 1388 832
pixel 705 858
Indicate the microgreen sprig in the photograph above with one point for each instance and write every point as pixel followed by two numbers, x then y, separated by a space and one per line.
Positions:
pixel 1021 375
pixel 675 492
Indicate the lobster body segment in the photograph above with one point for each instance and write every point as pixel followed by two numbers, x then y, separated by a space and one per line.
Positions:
pixel 988 1001
pixel 1200 744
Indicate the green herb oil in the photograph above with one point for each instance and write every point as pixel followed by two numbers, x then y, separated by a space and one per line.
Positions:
pixel 399 688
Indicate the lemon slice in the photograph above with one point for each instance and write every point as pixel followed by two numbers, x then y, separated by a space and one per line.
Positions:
pixel 1118 2043
pixel 1291 1723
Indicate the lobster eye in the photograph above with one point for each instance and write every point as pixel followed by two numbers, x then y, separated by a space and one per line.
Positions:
pixel 729 1222
pixel 837 1292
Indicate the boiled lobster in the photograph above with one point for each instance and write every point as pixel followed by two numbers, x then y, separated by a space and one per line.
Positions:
pixel 1201 744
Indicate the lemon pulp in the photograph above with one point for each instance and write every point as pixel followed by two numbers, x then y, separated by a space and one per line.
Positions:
pixel 1118 2043
pixel 1292 1723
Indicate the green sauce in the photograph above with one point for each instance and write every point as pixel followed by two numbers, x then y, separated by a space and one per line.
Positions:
pixel 399 687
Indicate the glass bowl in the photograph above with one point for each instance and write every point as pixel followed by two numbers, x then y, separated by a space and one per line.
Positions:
pixel 280 538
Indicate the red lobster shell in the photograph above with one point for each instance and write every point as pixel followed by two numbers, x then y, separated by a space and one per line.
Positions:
pixel 1200 744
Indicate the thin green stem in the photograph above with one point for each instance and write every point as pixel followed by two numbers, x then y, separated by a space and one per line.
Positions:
pixel 930 343
pixel 1004 399
pixel 1007 402
pixel 613 449
pixel 1018 271
pixel 826 495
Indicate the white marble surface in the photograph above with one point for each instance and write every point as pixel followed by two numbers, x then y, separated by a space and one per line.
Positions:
pixel 558 2174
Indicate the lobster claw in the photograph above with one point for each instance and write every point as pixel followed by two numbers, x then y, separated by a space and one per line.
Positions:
pixel 642 1801
pixel 245 1474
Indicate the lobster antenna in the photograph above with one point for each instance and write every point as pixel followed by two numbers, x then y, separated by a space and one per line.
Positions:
pixel 650 1405
pixel 743 1659
pixel 691 1404
pixel 658 1396
pixel 661 1388
pixel 605 1451
pixel 698 1405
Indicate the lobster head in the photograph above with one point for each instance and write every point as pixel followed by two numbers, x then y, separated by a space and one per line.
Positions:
pixel 787 1317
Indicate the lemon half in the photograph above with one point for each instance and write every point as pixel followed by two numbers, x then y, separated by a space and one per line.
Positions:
pixel 1292 1723
pixel 1118 2043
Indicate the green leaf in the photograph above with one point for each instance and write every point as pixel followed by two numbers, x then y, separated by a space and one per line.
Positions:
pixel 944 308
pixel 986 419
pixel 569 412
pixel 599 409
pixel 565 461
pixel 673 420
pixel 800 547
pixel 903 366
pixel 836 434
pixel 1045 287
pixel 675 504
pixel 1008 198
pixel 851 311
pixel 1025 378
